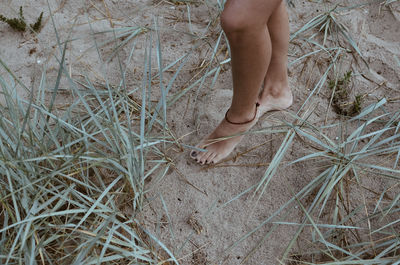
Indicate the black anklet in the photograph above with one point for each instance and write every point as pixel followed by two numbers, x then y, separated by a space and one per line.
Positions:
pixel 242 123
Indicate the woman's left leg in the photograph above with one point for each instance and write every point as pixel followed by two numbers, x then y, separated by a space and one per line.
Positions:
pixel 276 93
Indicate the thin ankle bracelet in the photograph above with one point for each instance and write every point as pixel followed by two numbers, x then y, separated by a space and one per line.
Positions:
pixel 242 123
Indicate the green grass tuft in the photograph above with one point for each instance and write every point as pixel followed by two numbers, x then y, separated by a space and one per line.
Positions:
pixel 38 24
pixel 19 23
pixel 341 101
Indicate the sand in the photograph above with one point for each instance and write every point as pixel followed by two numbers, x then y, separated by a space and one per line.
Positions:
pixel 193 220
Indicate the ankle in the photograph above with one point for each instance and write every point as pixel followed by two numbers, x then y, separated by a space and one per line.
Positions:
pixel 241 116
pixel 277 89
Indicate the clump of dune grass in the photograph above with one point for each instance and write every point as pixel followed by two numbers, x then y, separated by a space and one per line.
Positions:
pixel 73 175
pixel 340 226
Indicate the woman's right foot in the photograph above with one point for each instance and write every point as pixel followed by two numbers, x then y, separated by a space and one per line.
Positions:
pixel 221 142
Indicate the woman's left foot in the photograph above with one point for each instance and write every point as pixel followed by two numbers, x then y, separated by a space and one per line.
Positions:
pixel 275 96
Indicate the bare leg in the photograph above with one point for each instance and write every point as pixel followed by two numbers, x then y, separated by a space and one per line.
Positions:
pixel 245 25
pixel 276 94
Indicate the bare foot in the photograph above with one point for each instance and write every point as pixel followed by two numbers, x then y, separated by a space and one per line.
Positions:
pixel 221 142
pixel 277 96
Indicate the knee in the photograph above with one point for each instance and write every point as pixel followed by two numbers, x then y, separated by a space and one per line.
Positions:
pixel 234 20
pixel 233 23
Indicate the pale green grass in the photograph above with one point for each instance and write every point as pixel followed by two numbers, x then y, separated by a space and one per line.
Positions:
pixel 73 179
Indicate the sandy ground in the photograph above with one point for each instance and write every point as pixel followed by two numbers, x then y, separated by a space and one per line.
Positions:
pixel 186 208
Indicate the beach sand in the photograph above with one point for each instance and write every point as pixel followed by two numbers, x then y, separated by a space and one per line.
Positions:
pixel 187 209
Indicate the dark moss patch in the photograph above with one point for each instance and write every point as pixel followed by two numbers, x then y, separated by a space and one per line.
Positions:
pixel 37 26
pixel 342 102
pixel 19 23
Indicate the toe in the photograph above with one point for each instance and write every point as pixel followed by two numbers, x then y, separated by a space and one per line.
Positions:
pixel 200 157
pixel 204 158
pixel 207 159
pixel 193 154
pixel 197 153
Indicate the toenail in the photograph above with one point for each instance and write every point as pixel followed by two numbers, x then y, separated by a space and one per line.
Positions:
pixel 206 161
